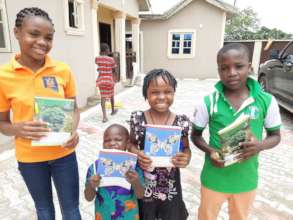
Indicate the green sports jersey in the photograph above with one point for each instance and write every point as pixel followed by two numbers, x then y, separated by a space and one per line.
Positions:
pixel 216 112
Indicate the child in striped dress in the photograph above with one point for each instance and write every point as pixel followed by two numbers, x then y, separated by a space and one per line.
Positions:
pixel 106 79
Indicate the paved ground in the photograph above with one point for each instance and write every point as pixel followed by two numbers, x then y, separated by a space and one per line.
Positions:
pixel 274 200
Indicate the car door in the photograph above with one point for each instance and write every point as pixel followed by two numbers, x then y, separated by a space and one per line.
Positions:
pixel 282 78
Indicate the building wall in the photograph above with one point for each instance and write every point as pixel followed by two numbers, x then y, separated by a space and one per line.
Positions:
pixel 130 7
pixel 207 20
pixel 75 50
pixel 105 15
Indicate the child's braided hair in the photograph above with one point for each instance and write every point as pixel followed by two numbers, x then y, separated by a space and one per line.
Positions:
pixel 153 75
pixel 33 11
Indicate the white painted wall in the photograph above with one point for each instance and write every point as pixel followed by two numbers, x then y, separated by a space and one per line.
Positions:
pixel 75 50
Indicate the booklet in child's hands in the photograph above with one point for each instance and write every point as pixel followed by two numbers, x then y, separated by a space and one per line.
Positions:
pixel 58 113
pixel 231 137
pixel 162 143
pixel 112 166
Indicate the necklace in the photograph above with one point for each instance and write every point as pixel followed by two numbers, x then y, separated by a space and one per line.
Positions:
pixel 165 122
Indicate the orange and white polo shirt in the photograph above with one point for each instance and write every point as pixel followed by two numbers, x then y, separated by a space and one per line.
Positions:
pixel 18 87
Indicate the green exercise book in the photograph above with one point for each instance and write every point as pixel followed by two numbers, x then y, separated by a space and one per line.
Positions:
pixel 230 137
pixel 58 113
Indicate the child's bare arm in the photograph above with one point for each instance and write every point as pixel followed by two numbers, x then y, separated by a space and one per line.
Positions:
pixel 198 140
pixel 133 179
pixel 90 189
pixel 254 146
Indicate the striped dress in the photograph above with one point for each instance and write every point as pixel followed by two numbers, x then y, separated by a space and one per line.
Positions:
pixel 105 81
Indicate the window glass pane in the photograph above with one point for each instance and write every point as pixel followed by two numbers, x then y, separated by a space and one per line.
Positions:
pixel 187 51
pixel 187 36
pixel 187 43
pixel 2 39
pixel 181 43
pixel 71 13
pixel 176 37
pixel 175 50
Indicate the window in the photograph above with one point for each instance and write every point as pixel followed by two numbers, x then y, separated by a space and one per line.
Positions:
pixel 4 33
pixel 74 19
pixel 288 51
pixel 181 43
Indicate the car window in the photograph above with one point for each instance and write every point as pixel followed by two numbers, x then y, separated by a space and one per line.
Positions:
pixel 288 51
pixel 289 59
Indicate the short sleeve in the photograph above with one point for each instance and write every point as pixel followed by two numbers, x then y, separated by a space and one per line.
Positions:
pixel 70 88
pixel 184 123
pixel 273 118
pixel 137 129
pixel 200 116
pixel 132 121
pixel 4 104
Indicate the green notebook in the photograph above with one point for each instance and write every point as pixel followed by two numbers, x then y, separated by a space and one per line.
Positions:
pixel 58 113
pixel 230 137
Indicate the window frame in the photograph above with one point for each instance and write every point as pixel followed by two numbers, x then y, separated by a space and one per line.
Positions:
pixel 80 29
pixel 6 35
pixel 181 32
pixel 287 51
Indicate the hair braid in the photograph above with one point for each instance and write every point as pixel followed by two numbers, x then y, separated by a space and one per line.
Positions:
pixel 153 75
pixel 33 11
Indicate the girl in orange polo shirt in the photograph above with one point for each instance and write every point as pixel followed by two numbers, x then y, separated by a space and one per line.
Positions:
pixel 25 77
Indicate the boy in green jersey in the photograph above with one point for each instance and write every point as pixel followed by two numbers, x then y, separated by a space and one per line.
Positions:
pixel 236 93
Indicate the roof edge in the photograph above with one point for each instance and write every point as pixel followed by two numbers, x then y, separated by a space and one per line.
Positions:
pixel 182 4
pixel 144 5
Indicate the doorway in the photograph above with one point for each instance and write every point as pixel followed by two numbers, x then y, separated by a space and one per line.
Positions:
pixel 105 34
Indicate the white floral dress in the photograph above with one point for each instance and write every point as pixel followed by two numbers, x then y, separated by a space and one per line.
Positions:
pixel 163 193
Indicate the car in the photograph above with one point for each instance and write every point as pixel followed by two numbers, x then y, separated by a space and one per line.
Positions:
pixel 276 77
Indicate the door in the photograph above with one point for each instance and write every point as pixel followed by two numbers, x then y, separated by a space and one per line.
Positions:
pixel 105 34
pixel 283 78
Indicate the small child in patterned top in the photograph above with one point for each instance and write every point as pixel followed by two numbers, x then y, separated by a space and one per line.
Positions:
pixel 114 202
